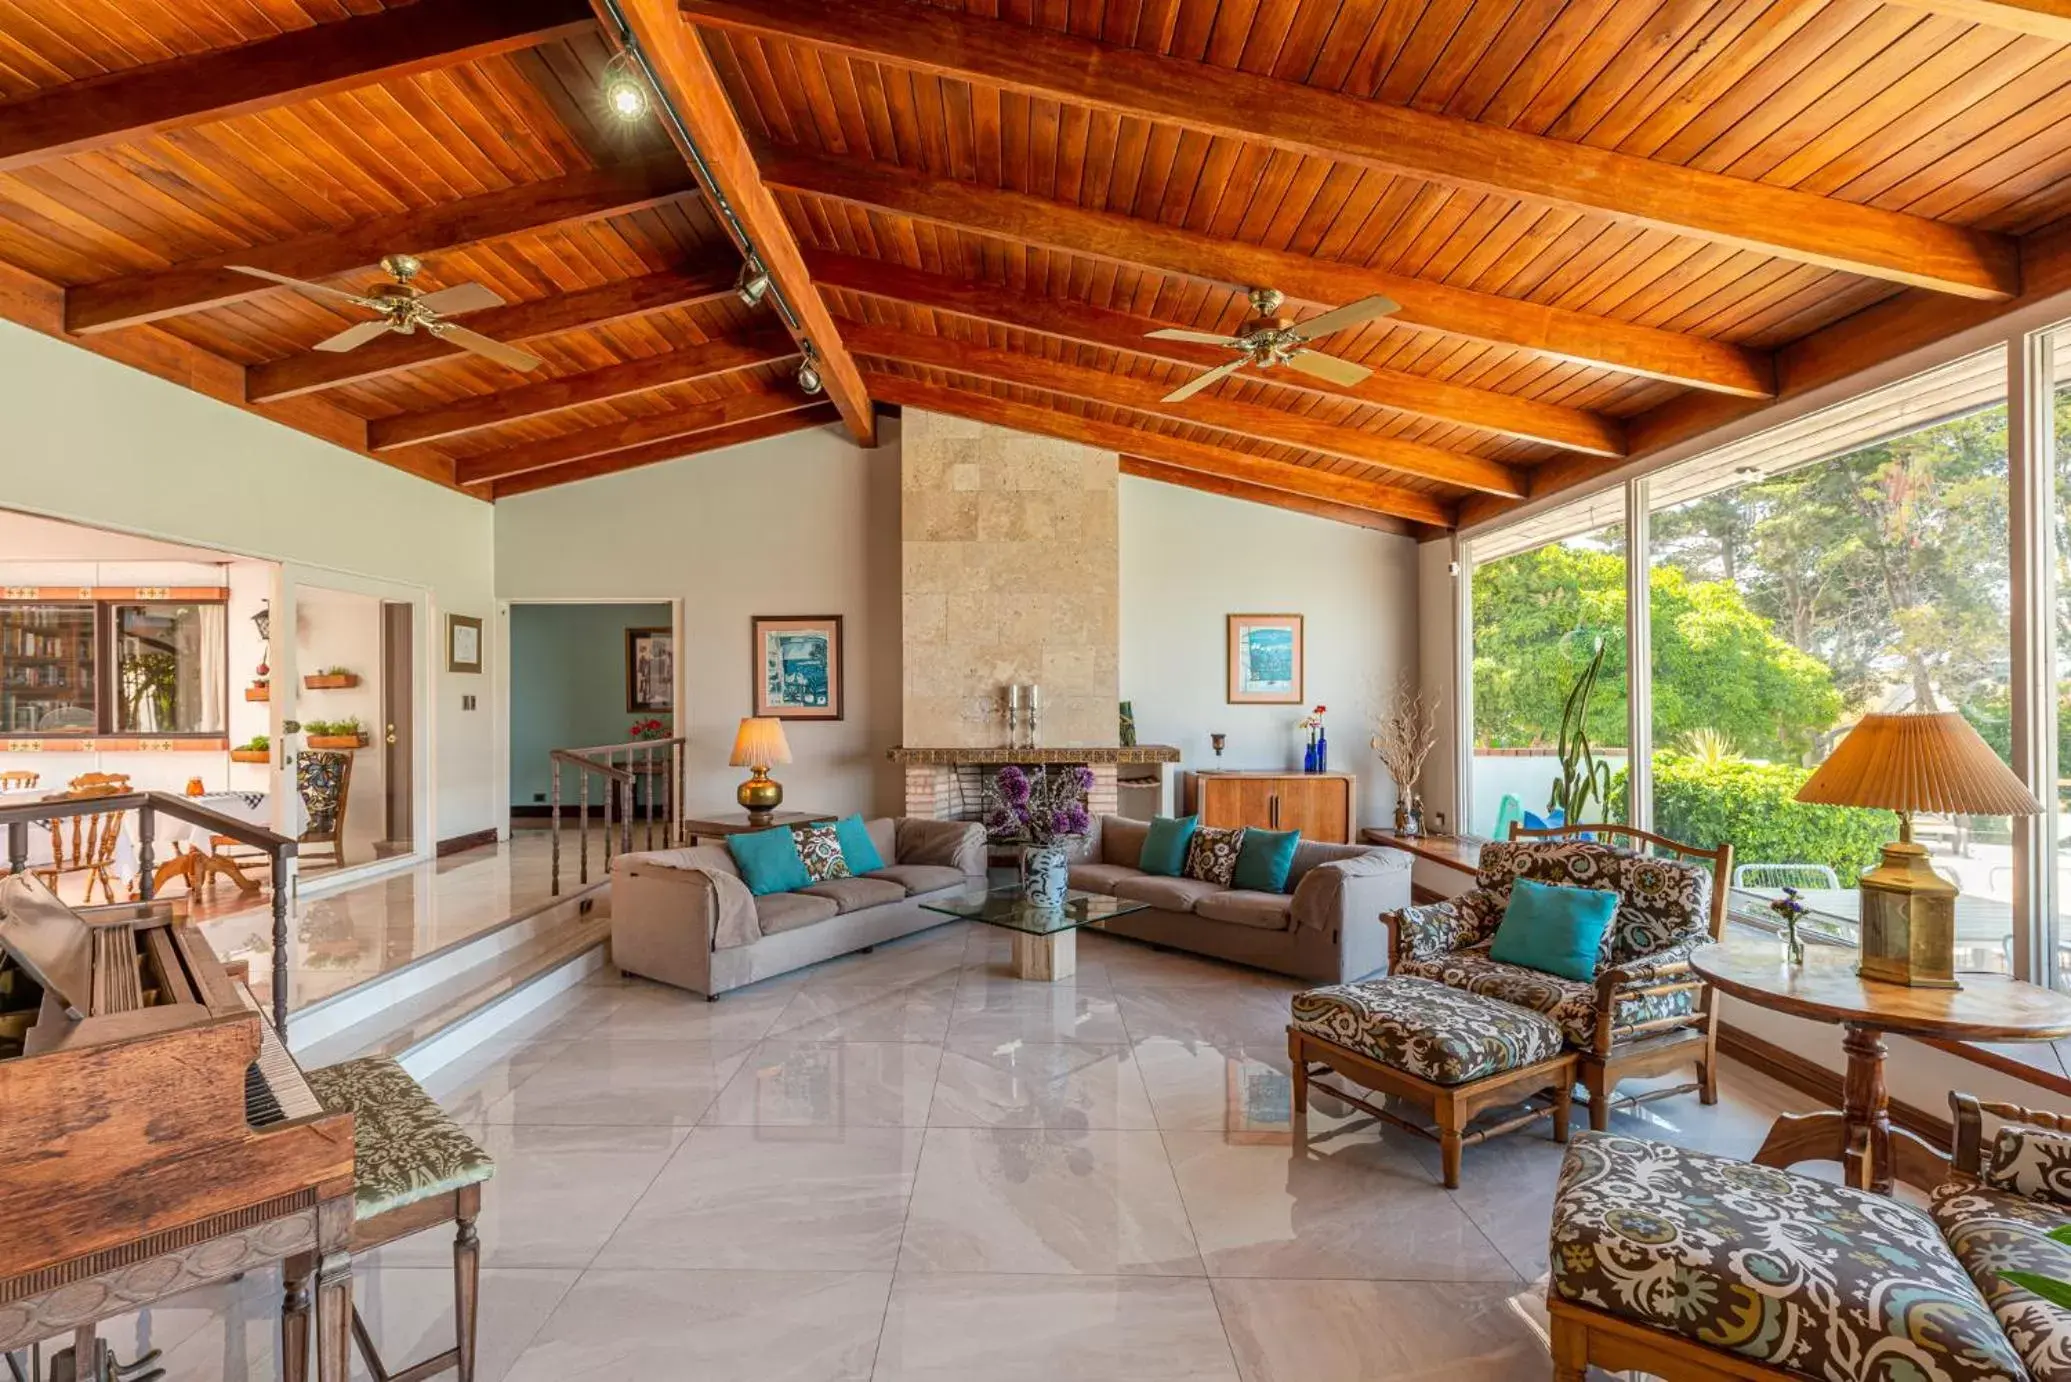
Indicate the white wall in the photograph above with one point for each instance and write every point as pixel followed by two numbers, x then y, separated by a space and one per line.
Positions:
pixel 1189 559
pixel 95 441
pixel 804 523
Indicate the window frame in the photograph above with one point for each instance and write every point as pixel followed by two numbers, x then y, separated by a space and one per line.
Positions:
pixel 106 632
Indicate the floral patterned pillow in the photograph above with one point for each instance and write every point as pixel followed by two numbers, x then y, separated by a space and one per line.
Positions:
pixel 1212 855
pixel 820 847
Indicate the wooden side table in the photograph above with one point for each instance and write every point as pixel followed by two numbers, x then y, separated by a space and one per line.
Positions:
pixel 1873 1154
pixel 717 825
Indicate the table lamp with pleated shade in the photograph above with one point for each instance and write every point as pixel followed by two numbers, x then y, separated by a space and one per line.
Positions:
pixel 758 744
pixel 1931 762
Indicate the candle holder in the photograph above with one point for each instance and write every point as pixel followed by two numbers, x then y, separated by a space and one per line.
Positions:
pixel 1216 741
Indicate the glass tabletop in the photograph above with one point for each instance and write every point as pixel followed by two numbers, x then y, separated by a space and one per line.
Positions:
pixel 1006 907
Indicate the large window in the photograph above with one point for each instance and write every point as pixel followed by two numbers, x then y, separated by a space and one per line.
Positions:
pixel 1548 609
pixel 151 668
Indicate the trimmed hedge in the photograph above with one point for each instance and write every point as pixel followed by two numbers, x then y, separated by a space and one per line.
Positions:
pixel 1752 804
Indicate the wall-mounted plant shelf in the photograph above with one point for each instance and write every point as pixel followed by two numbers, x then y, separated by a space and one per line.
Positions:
pixel 251 755
pixel 336 741
pixel 258 692
pixel 331 681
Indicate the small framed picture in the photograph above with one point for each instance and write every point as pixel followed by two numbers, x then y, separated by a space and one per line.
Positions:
pixel 797 660
pixel 650 671
pixel 1265 653
pixel 463 643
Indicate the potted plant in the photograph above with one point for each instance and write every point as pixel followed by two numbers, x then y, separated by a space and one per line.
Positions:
pixel 335 734
pixel 1584 779
pixel 257 691
pixel 331 679
pixel 256 749
pixel 1404 733
pixel 1044 814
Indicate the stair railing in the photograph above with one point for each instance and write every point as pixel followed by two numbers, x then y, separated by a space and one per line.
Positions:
pixel 620 769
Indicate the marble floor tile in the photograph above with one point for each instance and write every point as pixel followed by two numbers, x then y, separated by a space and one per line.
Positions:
pixel 1034 1012
pixel 1365 1208
pixel 869 1012
pixel 471 1084
pixel 1047 1201
pixel 1236 1087
pixel 1247 1014
pixel 649 1011
pixel 557 1195
pixel 993 978
pixel 1018 1084
pixel 625 1083
pixel 1405 1331
pixel 1041 1328
pixel 747 1326
pixel 1132 964
pixel 830 1084
pixel 777 1199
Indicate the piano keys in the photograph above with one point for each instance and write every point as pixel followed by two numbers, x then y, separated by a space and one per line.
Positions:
pixel 157 1134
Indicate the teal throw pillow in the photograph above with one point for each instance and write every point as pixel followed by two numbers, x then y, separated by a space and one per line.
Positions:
pixel 768 861
pixel 1265 859
pixel 1165 845
pixel 1554 929
pixel 856 846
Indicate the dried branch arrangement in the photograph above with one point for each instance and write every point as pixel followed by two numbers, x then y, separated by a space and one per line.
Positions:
pixel 1405 732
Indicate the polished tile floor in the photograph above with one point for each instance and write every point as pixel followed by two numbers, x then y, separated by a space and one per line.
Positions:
pixel 909 1165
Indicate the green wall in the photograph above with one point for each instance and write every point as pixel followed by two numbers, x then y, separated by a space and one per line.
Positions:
pixel 568 683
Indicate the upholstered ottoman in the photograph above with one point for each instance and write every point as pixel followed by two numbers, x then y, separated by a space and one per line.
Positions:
pixel 1683 1264
pixel 413 1169
pixel 1453 1052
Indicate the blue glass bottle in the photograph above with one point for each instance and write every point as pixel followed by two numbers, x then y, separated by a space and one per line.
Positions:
pixel 1322 751
pixel 1309 756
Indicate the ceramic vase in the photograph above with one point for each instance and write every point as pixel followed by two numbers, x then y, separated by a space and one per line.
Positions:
pixel 1045 875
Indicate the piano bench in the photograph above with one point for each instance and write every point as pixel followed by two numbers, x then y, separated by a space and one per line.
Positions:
pixel 413 1169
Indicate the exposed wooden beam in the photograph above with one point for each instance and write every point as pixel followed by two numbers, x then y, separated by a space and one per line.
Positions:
pixel 300 66
pixel 2050 19
pixel 1506 414
pixel 618 436
pixel 1314 122
pixel 596 386
pixel 1259 494
pixel 654 453
pixel 521 321
pixel 1598 341
pixel 709 137
pixel 1202 410
pixel 1208 459
pixel 205 283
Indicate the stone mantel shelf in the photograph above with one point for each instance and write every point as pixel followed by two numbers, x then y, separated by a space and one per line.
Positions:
pixel 1081 753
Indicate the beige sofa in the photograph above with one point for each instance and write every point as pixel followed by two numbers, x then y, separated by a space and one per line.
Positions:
pixel 1326 927
pixel 684 917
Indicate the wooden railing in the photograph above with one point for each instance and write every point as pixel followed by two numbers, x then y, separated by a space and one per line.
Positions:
pixel 277 848
pixel 621 768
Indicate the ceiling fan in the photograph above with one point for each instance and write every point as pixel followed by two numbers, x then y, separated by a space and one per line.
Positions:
pixel 406 309
pixel 1270 339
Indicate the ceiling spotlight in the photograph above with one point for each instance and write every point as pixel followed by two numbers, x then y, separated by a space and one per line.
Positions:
pixel 625 92
pixel 808 372
pixel 752 283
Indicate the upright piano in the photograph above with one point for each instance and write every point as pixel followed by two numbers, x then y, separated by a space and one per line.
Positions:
pixel 155 1135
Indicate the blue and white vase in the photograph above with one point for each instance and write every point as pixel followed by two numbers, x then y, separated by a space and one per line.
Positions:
pixel 1045 875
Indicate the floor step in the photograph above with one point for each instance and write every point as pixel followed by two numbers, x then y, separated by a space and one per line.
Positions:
pixel 438 1017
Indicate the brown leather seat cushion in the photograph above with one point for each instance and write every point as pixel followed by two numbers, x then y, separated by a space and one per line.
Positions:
pixel 920 878
pixel 1170 894
pixel 1242 907
pixel 854 894
pixel 778 912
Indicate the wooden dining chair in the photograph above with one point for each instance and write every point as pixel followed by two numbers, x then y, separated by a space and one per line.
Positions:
pixel 324 778
pixel 84 844
pixel 18 780
pixel 98 785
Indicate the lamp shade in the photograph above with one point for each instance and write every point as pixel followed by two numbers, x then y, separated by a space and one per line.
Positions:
pixel 760 743
pixel 1918 762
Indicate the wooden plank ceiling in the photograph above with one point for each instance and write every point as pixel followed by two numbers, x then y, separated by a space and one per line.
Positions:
pixel 1609 224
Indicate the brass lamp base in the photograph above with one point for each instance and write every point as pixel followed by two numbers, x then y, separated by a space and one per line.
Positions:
pixel 759 794
pixel 1908 921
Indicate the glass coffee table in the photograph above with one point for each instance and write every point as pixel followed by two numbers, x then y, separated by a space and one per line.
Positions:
pixel 1045 939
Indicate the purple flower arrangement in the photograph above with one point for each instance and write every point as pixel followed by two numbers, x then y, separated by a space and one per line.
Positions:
pixel 1039 807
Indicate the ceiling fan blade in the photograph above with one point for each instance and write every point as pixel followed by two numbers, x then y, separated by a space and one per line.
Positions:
pixel 461 297
pixel 1351 314
pixel 508 356
pixel 306 287
pixel 1327 367
pixel 1195 385
pixel 353 337
pixel 1173 333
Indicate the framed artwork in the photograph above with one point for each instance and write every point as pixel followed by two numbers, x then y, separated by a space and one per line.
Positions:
pixel 650 671
pixel 463 643
pixel 797 660
pixel 1265 656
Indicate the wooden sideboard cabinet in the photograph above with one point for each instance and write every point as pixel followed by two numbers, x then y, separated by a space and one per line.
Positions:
pixel 1317 804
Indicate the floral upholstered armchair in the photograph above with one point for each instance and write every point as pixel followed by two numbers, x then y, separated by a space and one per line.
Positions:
pixel 1646 1012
